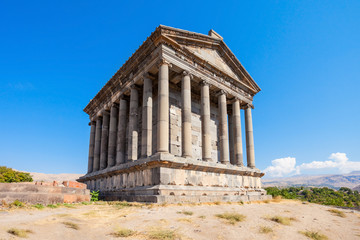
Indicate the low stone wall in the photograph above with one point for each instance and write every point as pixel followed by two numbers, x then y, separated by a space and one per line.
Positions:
pixel 44 193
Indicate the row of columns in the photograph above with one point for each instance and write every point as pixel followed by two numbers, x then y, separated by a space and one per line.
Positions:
pixel 107 145
pixel 223 130
pixel 107 134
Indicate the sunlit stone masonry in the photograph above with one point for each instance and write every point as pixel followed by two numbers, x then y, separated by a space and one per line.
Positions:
pixel 167 126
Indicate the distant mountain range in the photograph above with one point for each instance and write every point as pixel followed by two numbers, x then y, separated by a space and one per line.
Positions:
pixel 350 180
pixel 48 177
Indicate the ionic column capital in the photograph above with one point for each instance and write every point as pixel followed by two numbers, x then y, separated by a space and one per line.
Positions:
pixel 163 61
pixel 122 97
pixel 248 105
pixel 221 92
pixel 186 73
pixel 115 104
pixel 146 75
pixel 104 112
pixel 235 99
pixel 204 82
pixel 134 87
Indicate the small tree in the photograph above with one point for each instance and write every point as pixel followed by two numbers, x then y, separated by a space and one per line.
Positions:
pixel 8 175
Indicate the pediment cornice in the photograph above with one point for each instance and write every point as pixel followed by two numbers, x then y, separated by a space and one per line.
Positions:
pixel 177 39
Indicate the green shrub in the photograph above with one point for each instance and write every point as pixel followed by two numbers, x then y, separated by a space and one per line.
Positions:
pixel 94 196
pixel 344 197
pixel 52 206
pixel 8 175
pixel 17 203
pixel 38 206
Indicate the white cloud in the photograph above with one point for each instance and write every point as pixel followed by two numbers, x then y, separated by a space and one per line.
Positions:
pixel 287 166
pixel 339 157
pixel 281 167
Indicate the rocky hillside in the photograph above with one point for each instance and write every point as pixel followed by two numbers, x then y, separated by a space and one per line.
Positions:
pixel 350 180
pixel 38 177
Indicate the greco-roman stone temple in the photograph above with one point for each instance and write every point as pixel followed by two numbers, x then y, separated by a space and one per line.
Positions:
pixel 167 126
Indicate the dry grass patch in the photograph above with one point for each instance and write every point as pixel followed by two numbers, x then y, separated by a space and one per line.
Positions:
pixel 162 234
pixel 202 217
pixel 71 225
pixel 314 235
pixel 188 220
pixel 123 232
pixel 337 213
pixel 282 220
pixel 123 204
pixel 188 213
pixel 91 214
pixel 264 229
pixel 276 199
pixel 68 205
pixel 23 233
pixel 232 218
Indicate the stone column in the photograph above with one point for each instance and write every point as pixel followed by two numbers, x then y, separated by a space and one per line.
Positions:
pixel 186 115
pixel 133 125
pixel 223 128
pixel 236 121
pixel 91 146
pixel 112 135
pixel 104 139
pixel 163 108
pixel 97 148
pixel 121 134
pixel 231 139
pixel 250 153
pixel 146 136
pixel 205 121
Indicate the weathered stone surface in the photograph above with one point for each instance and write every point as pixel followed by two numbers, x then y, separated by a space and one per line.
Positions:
pixel 45 194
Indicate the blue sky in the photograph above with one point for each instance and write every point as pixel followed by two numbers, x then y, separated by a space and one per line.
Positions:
pixel 305 55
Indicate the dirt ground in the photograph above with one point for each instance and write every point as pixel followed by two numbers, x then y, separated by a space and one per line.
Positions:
pixel 100 220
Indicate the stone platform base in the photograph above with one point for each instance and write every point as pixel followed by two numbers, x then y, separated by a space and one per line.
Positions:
pixel 166 178
pixel 169 194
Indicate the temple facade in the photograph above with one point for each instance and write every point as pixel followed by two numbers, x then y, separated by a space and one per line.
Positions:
pixel 167 126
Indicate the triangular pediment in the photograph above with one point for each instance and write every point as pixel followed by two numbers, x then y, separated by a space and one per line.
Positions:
pixel 214 58
pixel 212 50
